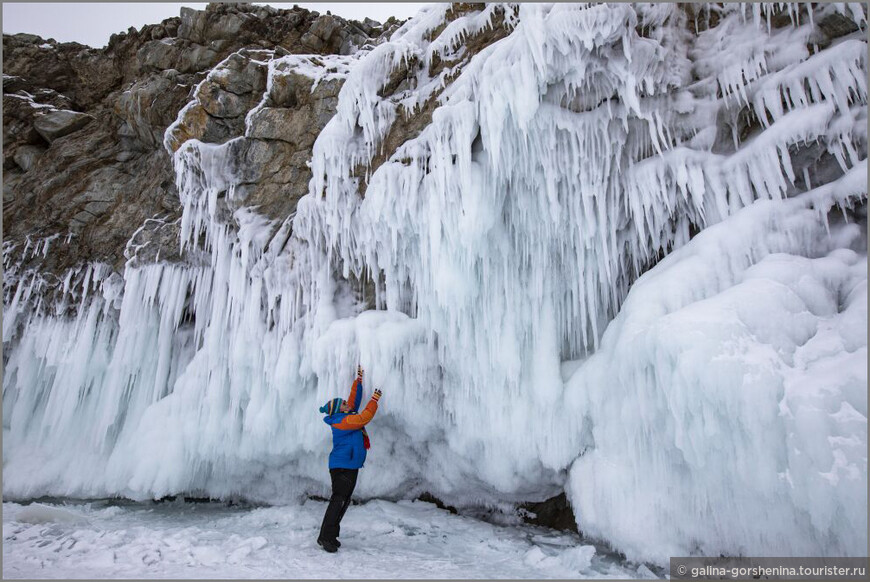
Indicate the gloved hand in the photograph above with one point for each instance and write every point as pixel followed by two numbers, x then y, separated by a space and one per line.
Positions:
pixel 376 395
pixel 359 371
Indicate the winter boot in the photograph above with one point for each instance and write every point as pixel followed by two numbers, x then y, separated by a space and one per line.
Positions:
pixel 327 545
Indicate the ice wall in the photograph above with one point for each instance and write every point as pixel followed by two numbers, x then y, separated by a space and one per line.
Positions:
pixel 560 163
pixel 732 388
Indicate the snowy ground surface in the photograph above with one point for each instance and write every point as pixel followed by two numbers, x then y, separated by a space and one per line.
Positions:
pixel 208 540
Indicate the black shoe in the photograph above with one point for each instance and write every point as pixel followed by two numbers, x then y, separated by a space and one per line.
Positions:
pixel 337 543
pixel 327 545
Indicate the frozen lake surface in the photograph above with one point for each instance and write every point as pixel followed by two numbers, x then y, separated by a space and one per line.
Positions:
pixel 380 539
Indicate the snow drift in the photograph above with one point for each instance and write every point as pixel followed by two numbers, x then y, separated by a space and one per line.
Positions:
pixel 488 280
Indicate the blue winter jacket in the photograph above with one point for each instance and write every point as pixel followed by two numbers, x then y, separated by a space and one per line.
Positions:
pixel 348 442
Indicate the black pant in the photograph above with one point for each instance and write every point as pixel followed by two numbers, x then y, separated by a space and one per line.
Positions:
pixel 343 483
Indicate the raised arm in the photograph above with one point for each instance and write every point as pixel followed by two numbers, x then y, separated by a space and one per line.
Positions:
pixel 355 398
pixel 357 421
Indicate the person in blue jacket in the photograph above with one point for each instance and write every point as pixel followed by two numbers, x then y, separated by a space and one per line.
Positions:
pixel 349 444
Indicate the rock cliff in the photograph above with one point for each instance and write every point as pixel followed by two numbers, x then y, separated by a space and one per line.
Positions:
pixel 83 128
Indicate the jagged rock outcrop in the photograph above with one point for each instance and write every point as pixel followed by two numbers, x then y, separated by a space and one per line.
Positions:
pixel 277 128
pixel 83 127
pixel 60 122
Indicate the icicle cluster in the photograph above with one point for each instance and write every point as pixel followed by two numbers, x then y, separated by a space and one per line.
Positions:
pixel 561 161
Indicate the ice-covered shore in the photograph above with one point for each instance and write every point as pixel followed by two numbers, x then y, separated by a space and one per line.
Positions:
pixel 380 539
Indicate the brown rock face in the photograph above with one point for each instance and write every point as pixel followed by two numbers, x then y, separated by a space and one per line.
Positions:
pixel 272 131
pixel 147 107
pixel 84 128
pixel 222 99
pixel 58 123
pixel 300 111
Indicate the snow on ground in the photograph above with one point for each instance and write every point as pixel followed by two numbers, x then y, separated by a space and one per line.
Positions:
pixel 380 539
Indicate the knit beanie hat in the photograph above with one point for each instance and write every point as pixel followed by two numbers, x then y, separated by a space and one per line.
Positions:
pixel 332 406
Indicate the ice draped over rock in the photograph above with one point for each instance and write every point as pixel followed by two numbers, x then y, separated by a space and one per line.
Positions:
pixel 490 281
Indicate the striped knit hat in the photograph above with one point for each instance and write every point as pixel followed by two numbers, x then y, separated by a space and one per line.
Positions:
pixel 332 406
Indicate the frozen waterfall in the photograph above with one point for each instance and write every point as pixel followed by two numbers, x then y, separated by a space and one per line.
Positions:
pixel 577 275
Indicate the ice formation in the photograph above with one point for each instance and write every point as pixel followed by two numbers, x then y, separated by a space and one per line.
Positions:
pixel 735 377
pixel 723 410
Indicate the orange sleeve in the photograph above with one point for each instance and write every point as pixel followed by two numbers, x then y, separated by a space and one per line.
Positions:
pixel 357 421
pixel 353 390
